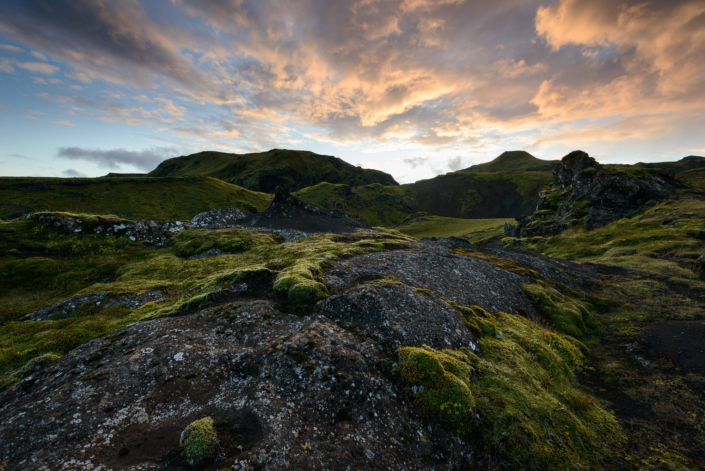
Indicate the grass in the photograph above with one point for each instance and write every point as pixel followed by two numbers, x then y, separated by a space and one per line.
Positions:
pixel 264 171
pixel 474 230
pixel 39 267
pixel 642 242
pixel 519 402
pixel 130 198
pixel 693 181
pixel 376 204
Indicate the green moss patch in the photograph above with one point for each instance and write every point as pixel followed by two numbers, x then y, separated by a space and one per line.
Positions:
pixel 473 230
pixel 519 401
pixel 199 441
pixel 567 314
pixel 440 384
pixel 196 241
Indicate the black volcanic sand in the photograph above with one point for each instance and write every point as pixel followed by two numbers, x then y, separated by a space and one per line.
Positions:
pixel 287 212
pixel 682 342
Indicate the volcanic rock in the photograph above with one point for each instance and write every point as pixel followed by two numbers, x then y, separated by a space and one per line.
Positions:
pixel 584 193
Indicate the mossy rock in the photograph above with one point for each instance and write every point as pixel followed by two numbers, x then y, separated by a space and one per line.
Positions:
pixel 439 383
pixel 299 285
pixel 199 441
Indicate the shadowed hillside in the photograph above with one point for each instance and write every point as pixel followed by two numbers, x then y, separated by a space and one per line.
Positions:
pixel 132 198
pixel 291 169
pixel 480 195
pixel 686 163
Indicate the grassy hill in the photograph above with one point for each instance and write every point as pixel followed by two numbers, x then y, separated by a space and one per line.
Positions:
pixel 480 195
pixel 682 165
pixel 693 181
pixel 378 205
pixel 265 171
pixel 131 198
pixel 514 161
pixel 421 225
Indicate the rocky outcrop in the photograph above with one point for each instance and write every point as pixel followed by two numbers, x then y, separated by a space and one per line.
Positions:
pixel 290 213
pixel 153 232
pixel 90 303
pixel 586 194
pixel 283 391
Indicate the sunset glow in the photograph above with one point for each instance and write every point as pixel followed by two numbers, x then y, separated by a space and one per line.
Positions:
pixel 410 87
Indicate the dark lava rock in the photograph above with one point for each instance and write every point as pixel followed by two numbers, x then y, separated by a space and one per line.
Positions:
pixel 401 315
pixel 430 265
pixel 93 303
pixel 285 392
pixel 682 342
pixel 288 212
pixel 17 214
pixel 588 194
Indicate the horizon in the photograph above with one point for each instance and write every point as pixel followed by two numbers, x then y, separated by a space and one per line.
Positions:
pixel 413 88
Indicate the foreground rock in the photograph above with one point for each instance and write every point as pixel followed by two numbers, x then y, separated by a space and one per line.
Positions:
pixel 285 393
pixel 586 194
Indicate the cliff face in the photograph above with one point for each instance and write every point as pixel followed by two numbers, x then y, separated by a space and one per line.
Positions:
pixel 586 194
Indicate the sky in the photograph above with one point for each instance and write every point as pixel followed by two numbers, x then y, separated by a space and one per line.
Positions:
pixel 415 88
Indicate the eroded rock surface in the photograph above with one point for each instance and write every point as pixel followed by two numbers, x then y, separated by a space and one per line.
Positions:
pixel 285 392
pixel 430 265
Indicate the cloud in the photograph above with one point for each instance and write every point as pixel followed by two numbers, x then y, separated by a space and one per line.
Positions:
pixel 11 48
pixel 416 161
pixel 145 160
pixel 39 67
pixel 455 163
pixel 70 172
pixel 6 66
pixel 40 56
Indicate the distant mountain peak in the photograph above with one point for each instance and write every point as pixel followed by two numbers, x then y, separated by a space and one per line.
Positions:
pixel 513 161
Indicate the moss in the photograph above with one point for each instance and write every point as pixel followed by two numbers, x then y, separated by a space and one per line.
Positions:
pixel 519 402
pixel 299 284
pixel 568 314
pixel 499 262
pixel 439 384
pixel 476 319
pixel 199 441
pixel 196 241
pixel 472 200
pixel 588 172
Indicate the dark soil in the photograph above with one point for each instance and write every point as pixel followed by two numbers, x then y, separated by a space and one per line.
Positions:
pixel 682 342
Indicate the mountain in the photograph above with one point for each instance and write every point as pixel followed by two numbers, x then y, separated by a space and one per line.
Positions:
pixel 686 163
pixel 264 171
pixel 133 198
pixel 514 161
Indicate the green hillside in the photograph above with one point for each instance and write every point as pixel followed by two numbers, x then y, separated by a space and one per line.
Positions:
pixel 265 171
pixel 132 198
pixel 693 181
pixel 481 195
pixel 514 161
pixel 421 225
pixel 378 205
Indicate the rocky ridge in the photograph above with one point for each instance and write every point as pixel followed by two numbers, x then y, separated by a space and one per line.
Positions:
pixel 285 392
pixel 586 194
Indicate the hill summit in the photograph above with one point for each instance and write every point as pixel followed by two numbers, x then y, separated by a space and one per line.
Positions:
pixel 264 171
pixel 514 161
